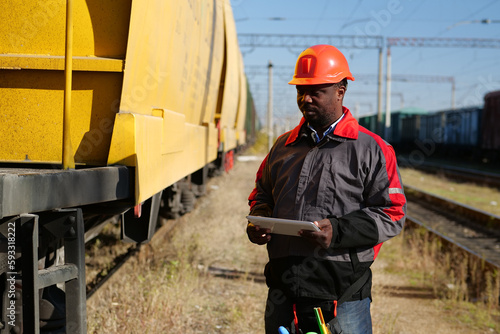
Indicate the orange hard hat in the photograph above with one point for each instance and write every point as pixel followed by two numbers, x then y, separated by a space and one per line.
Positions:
pixel 321 64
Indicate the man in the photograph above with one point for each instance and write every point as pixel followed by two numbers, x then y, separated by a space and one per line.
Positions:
pixel 345 179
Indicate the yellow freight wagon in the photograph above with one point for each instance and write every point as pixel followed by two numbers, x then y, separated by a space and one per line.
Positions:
pixel 150 82
pixel 107 106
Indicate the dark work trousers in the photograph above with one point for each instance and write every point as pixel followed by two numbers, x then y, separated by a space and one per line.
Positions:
pixel 354 317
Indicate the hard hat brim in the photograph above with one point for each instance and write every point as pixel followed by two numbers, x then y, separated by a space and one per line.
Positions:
pixel 317 81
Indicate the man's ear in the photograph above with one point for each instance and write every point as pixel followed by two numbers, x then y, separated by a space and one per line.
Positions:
pixel 341 92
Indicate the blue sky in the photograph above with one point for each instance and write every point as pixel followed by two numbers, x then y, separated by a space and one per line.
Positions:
pixel 476 71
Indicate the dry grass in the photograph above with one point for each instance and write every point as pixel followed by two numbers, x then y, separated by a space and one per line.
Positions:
pixel 459 280
pixel 167 288
pixel 447 275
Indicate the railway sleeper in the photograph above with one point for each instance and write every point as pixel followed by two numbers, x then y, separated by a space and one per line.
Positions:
pixel 32 302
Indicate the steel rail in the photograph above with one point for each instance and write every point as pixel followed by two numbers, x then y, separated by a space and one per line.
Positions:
pixel 119 261
pixel 412 220
pixel 460 173
pixel 482 218
pixel 475 231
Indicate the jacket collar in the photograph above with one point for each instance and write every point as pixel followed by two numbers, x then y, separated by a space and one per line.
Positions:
pixel 346 128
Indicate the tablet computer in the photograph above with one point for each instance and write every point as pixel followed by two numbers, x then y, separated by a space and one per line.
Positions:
pixel 283 226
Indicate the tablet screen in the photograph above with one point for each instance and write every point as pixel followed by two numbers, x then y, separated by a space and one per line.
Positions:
pixel 283 226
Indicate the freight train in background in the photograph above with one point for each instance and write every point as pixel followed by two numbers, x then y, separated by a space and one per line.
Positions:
pixel 108 108
pixel 470 133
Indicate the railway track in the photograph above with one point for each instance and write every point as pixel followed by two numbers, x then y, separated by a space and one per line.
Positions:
pixel 107 271
pixel 116 253
pixel 457 173
pixel 465 234
pixel 474 230
pixel 102 272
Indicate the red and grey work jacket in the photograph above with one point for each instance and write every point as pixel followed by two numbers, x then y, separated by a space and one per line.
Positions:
pixel 351 177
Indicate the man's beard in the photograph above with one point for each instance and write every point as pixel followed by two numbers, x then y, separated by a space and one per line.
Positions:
pixel 317 120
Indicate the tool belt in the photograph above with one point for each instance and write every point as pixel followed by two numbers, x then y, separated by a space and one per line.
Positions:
pixel 333 325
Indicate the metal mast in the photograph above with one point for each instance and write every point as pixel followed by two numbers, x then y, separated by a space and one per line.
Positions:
pixel 434 42
pixel 304 41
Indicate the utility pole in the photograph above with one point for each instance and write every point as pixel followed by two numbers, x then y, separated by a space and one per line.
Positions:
pixel 453 94
pixel 379 92
pixel 270 134
pixel 386 131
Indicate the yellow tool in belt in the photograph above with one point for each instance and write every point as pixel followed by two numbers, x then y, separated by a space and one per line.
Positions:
pixel 321 321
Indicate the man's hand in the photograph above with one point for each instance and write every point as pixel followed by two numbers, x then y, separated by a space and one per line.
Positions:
pixel 258 235
pixel 323 237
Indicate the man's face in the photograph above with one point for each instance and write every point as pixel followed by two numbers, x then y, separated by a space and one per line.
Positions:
pixel 321 105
